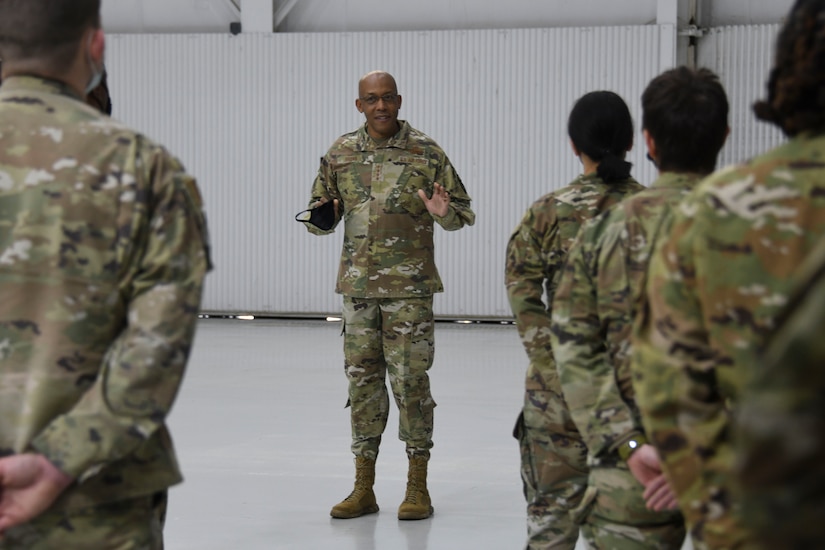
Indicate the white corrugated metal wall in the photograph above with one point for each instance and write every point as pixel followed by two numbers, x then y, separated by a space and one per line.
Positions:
pixel 742 56
pixel 251 115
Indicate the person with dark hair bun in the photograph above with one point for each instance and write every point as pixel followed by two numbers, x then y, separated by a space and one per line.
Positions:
pixel 629 503
pixel 553 455
pixel 716 290
pixel 601 131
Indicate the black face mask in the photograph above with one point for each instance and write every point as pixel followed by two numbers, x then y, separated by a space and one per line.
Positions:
pixel 322 217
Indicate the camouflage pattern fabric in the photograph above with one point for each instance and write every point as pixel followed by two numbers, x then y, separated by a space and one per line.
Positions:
pixel 102 259
pixel 592 317
pixel 135 524
pixel 554 471
pixel 613 514
pixel 781 422
pixel 389 338
pixel 388 232
pixel 714 290
pixel 388 274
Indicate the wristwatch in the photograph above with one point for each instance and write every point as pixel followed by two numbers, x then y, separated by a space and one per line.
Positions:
pixel 630 446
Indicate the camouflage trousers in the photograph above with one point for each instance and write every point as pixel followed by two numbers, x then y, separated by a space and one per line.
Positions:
pixel 389 338
pixel 613 514
pixel 135 524
pixel 553 470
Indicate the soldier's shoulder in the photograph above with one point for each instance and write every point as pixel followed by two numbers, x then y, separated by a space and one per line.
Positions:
pixel 778 166
pixel 149 148
pixel 95 128
pixel 647 201
pixel 344 143
pixel 549 202
pixel 605 227
pixel 418 140
pixel 571 196
pixel 539 216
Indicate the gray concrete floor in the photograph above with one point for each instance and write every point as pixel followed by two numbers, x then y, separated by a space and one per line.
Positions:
pixel 263 439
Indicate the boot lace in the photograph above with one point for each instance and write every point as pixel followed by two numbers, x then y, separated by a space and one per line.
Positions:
pixel 412 491
pixel 360 489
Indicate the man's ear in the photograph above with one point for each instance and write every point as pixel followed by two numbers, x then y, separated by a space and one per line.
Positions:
pixel 359 106
pixel 97 46
pixel 651 145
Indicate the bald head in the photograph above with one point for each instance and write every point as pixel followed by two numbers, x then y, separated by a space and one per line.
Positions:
pixel 378 99
pixel 376 77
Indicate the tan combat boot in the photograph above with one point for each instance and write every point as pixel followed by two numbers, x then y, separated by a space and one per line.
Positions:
pixel 416 503
pixel 362 499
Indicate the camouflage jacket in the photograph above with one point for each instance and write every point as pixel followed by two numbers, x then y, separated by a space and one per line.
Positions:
pixel 713 292
pixel 781 421
pixel 102 257
pixel 536 253
pixel 593 311
pixel 388 232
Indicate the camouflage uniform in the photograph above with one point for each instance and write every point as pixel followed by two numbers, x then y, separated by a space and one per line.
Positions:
pixel 713 293
pixel 134 524
pixel 388 275
pixel 102 258
pixel 553 467
pixel 592 319
pixel 780 422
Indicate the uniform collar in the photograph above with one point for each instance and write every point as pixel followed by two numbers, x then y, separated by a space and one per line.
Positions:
pixel 399 140
pixel 25 83
pixel 678 179
pixel 592 178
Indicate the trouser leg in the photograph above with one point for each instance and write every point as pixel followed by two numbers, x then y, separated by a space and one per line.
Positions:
pixel 408 340
pixel 366 372
pixel 554 470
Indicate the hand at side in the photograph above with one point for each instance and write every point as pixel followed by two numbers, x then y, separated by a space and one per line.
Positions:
pixel 645 466
pixel 29 484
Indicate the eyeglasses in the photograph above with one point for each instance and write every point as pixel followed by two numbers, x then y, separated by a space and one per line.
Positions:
pixel 373 99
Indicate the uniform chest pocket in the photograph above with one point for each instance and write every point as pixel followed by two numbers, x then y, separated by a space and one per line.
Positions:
pixel 405 194
pixel 353 181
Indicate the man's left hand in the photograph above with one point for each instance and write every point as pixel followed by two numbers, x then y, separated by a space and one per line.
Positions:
pixel 439 204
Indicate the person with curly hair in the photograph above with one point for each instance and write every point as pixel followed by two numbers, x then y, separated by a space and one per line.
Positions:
pixel 718 283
